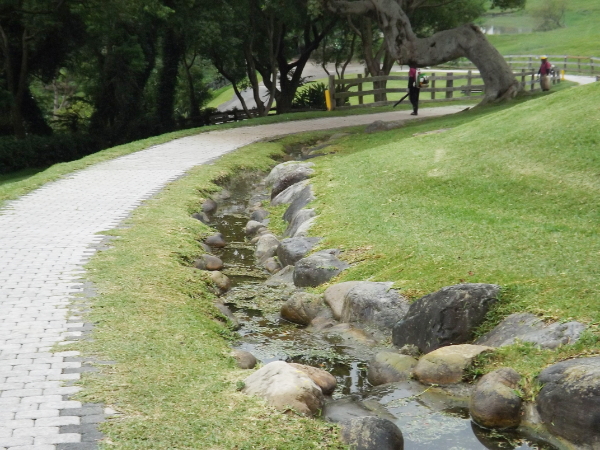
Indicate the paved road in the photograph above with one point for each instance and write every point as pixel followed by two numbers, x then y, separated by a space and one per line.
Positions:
pixel 45 239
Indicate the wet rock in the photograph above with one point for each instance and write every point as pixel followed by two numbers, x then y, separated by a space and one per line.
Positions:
pixel 569 402
pixel 323 321
pixel 375 304
pixel 380 125
pixel 527 327
pixel 351 333
pixel 494 402
pixel 259 215
pixel 446 317
pixel 290 194
pixel 272 265
pixel 221 281
pixel 447 365
pixel 318 268
pixel 216 240
pixel 389 367
pixel 209 206
pixel 223 309
pixel 208 262
pixel 284 277
pixel 335 296
pixel 322 378
pixel 302 216
pixel 285 387
pixel 266 247
pixel 285 168
pixel 289 179
pixel 302 308
pixel 252 227
pixel 205 247
pixel 223 194
pixel 202 217
pixel 292 250
pixel 244 360
pixel 372 433
pixel 344 409
pixel 303 198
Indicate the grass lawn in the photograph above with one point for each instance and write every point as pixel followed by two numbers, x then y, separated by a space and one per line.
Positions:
pixel 508 198
pixel 221 96
pixel 579 37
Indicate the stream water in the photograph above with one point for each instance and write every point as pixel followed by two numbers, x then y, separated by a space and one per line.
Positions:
pixel 428 417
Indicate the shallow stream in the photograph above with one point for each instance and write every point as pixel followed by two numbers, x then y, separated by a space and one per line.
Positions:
pixel 428 417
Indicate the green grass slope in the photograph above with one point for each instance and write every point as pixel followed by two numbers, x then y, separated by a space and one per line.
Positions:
pixel 579 37
pixel 508 198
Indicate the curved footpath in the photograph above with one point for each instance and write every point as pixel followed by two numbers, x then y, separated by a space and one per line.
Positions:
pixel 47 236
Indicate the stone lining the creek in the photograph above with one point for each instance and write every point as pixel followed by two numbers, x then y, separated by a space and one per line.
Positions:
pixel 347 331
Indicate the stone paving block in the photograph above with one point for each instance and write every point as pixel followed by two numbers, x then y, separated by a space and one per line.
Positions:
pixel 36 431
pixel 37 413
pixel 33 447
pixel 15 441
pixel 58 421
pixel 79 446
pixel 61 405
pixel 58 438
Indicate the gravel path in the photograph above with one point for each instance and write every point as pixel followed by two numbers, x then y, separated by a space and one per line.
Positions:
pixel 47 236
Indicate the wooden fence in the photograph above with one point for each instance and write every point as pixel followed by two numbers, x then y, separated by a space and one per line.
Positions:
pixel 340 90
pixel 580 65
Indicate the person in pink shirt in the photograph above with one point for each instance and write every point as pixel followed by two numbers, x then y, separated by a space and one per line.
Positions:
pixel 413 89
pixel 543 72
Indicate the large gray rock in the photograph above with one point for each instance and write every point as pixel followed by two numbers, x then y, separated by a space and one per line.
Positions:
pixel 286 388
pixel 290 194
pixel 527 327
pixel 221 281
pixel 375 304
pixel 266 247
pixel 208 262
pixel 216 240
pixel 245 360
pixel 225 311
pixel 303 198
pixel 285 181
pixel 292 250
pixel 271 265
pixel 494 402
pixel 344 409
pixel 569 402
pixel 302 308
pixel 284 277
pixel 252 227
pixel 209 206
pixel 446 317
pixel 259 215
pixel 372 433
pixel 283 169
pixel 389 367
pixel 318 268
pixel 301 217
pixel 335 296
pixel 304 228
pixel 322 378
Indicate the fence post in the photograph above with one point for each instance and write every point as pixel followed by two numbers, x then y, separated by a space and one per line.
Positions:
pixel 449 85
pixel 579 65
pixel 332 91
pixel 433 86
pixel 469 82
pixel 360 88
pixel 523 79
pixel 592 65
pixel 530 66
pixel 565 64
pixel 532 81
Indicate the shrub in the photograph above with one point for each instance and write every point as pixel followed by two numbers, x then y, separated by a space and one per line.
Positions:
pixel 43 151
pixel 312 95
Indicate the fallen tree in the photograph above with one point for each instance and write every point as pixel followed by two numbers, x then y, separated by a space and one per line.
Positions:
pixel 407 48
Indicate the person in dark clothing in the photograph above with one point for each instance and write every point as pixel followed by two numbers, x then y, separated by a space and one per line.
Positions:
pixel 413 89
pixel 544 71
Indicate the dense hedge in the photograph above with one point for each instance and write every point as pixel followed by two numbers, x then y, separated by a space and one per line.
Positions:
pixel 43 151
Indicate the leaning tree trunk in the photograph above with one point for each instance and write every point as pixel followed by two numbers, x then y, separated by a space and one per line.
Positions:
pixel 465 41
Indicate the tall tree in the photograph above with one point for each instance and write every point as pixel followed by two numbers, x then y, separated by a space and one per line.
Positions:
pixel 406 46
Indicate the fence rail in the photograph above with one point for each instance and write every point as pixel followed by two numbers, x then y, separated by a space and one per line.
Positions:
pixel 581 65
pixel 340 93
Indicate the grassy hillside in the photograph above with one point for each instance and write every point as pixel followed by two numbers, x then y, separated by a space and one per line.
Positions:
pixel 580 36
pixel 509 198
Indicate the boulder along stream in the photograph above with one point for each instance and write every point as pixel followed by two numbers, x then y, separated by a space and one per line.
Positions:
pixel 429 417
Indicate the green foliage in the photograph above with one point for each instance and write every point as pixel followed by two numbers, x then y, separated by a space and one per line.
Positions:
pixel 312 95
pixel 507 4
pixel 43 151
pixel 551 15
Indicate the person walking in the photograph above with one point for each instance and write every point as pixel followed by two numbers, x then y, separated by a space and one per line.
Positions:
pixel 413 89
pixel 543 72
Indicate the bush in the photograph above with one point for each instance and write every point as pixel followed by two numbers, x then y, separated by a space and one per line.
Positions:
pixel 311 96
pixel 550 15
pixel 43 151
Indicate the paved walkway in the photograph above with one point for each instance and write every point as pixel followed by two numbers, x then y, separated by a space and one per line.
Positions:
pixel 47 236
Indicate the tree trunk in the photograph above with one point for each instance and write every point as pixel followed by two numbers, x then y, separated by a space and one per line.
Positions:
pixel 465 41
pixel 251 69
pixel 171 56
pixel 194 106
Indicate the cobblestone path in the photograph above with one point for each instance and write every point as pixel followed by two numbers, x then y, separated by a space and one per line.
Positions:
pixel 45 239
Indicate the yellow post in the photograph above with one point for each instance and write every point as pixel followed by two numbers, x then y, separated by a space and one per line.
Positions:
pixel 327 100
pixel 562 75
